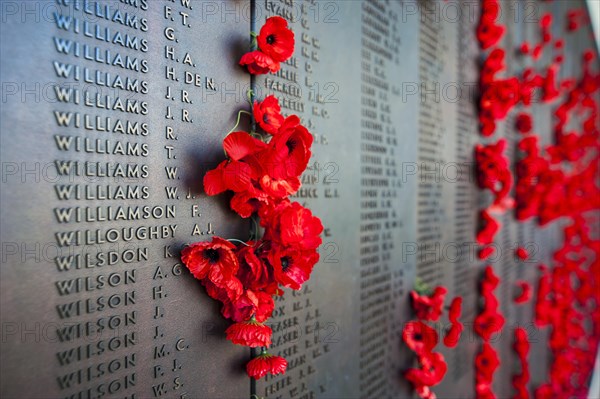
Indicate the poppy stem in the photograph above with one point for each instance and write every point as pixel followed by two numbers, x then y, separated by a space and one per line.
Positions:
pixel 236 240
pixel 237 123
pixel 250 97
pixel 253 41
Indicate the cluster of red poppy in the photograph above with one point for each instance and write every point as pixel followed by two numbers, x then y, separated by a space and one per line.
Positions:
pixel 559 180
pixel 422 339
pixel 545 188
pixel 262 170
pixel 456 327
pixel 568 301
pixel 488 31
pixel 498 96
pixel 493 173
pixel 276 44
pixel 487 322
pixel 521 347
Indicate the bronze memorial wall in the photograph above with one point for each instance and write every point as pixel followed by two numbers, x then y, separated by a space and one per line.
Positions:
pixel 112 111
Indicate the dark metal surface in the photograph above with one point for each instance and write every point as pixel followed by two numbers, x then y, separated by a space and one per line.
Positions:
pixel 391 177
pixel 201 363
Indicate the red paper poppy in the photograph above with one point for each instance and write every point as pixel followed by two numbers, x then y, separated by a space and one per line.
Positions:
pixel 251 303
pixel 275 39
pixel 488 323
pixel 452 337
pixel 521 344
pixel 249 333
pixel 490 227
pixel 419 337
pixel 522 253
pixel 429 307
pixel 488 34
pixel 486 252
pixel 268 114
pixel 432 371
pixel 486 363
pixel 237 173
pixel 265 364
pixel 292 225
pixel 292 267
pixel 258 63
pixel 215 261
pixel 546 21
pixel 247 203
pixel 490 280
pixel 525 292
pixel 455 309
pixel 254 272
pixel 289 150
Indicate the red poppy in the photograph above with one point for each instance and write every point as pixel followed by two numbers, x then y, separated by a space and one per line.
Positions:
pixel 429 307
pixel 289 150
pixel 488 34
pixel 258 63
pixel 268 114
pixel 546 21
pixel 292 267
pixel 490 280
pixel 493 64
pixel 249 333
pixel 292 225
pixel 486 252
pixel 265 364
pixel 247 203
pixel 486 363
pixel 275 39
pixel 489 228
pixel 521 344
pixel 251 303
pixel 452 337
pixel 524 123
pixel 237 173
pixel 254 272
pixel 432 371
pixel 522 253
pixel 455 309
pixel 488 323
pixel 419 337
pixel 215 261
pixel 525 294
